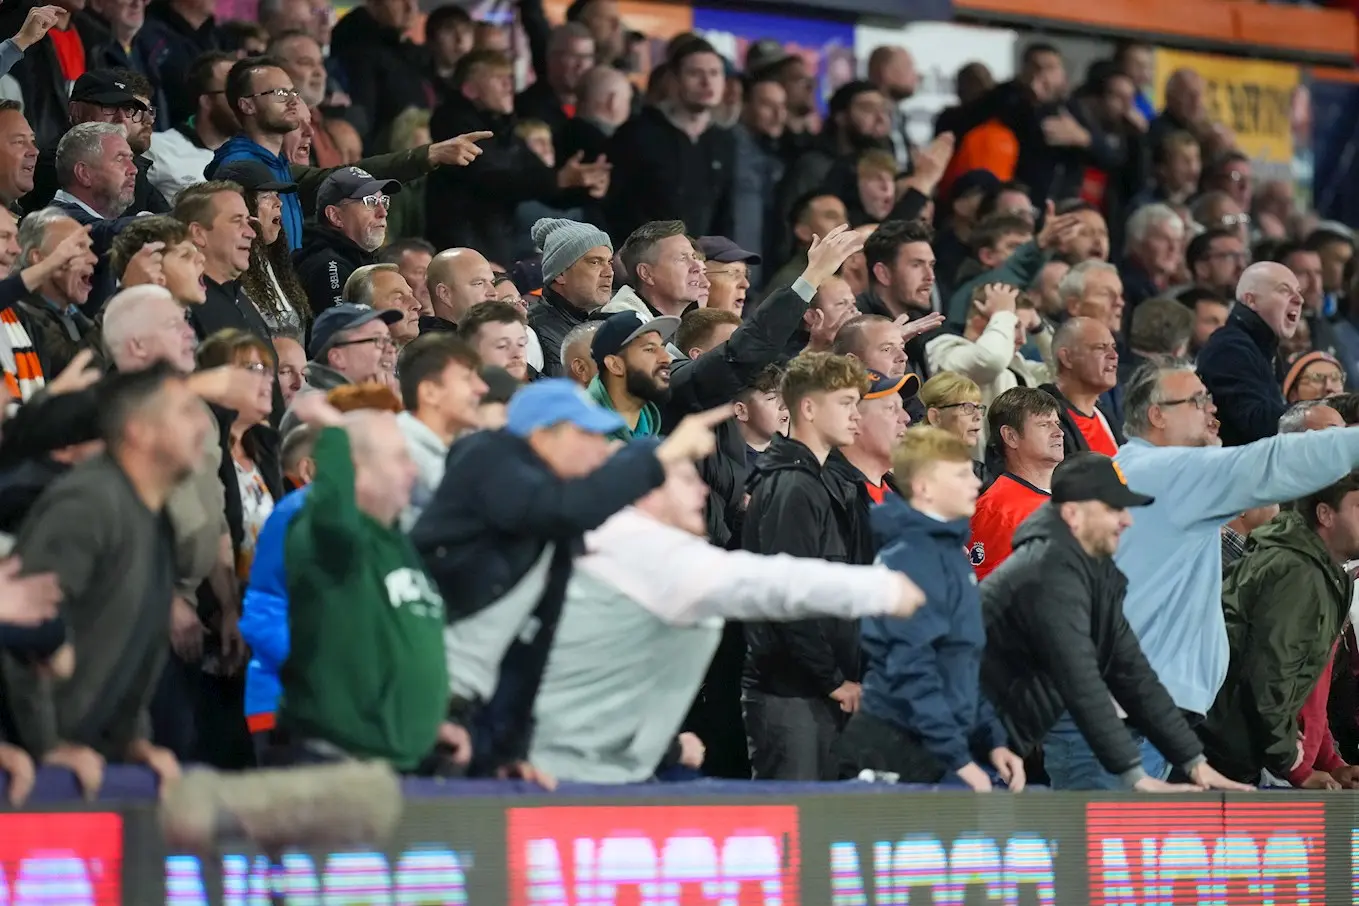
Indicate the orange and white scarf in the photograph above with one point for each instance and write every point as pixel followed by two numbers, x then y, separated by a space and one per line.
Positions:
pixel 18 357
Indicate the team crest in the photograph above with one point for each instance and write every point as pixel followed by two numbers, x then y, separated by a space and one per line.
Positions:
pixel 976 554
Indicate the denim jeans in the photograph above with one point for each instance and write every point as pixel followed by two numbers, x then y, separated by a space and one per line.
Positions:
pixel 1071 765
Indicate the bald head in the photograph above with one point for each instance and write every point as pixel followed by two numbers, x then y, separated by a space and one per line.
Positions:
pixel 459 279
pixel 1273 292
pixel 892 69
pixel 604 95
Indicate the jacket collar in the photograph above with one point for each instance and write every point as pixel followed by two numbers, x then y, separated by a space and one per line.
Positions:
pixel 559 302
pixel 1256 328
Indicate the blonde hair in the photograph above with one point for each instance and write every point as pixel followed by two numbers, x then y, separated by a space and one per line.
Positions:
pixel 404 128
pixel 876 161
pixel 948 388
pixel 525 128
pixel 820 372
pixel 920 449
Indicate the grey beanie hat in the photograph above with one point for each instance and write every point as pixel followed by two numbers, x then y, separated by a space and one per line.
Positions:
pixel 564 242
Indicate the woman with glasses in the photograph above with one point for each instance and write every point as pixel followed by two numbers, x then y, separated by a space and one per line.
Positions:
pixel 1313 376
pixel 953 402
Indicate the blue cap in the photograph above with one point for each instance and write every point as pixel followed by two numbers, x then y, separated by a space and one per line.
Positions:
pixel 342 317
pixel 543 404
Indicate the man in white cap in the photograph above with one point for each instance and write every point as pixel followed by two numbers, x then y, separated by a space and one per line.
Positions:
pixel 577 279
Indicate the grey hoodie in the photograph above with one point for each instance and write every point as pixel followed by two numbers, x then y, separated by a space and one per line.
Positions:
pixel 429 452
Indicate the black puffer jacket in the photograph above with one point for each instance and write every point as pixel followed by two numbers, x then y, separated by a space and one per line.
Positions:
pixel 799 506
pixel 1057 640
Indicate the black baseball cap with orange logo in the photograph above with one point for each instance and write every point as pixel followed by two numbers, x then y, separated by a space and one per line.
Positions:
pixel 1094 476
pixel 880 385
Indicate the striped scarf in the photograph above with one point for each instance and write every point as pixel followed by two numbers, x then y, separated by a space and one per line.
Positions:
pixel 22 370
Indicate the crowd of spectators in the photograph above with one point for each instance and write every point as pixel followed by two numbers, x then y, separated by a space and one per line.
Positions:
pixel 362 406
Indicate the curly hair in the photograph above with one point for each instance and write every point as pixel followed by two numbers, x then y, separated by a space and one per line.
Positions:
pixel 369 395
pixel 821 372
pixel 277 256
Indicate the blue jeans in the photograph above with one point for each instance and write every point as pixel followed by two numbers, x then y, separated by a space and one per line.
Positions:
pixel 1071 765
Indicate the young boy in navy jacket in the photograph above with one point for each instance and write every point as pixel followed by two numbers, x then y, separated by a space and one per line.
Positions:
pixel 922 715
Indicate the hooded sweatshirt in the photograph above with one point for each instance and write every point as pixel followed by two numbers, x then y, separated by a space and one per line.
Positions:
pixel 429 452
pixel 923 674
pixel 1172 553
pixel 648 421
pixel 240 147
pixel 644 613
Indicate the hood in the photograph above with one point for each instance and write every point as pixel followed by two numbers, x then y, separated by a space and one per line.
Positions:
pixel 896 520
pixel 317 239
pixel 785 453
pixel 1043 524
pixel 626 299
pixel 421 437
pixel 242 146
pixel 1288 531
pixel 648 421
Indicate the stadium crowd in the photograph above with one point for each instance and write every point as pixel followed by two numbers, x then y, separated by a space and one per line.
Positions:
pixel 362 407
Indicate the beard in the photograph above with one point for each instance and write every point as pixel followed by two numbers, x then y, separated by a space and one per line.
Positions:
pixel 644 386
pixel 373 237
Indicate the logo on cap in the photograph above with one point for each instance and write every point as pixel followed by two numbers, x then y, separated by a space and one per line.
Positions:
pixel 1119 472
pixel 361 174
pixel 121 85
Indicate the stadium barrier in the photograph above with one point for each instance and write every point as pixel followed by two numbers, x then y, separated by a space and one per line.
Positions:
pixel 736 844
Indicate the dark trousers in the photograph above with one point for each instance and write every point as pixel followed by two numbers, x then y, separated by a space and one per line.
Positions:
pixel 790 738
pixel 871 744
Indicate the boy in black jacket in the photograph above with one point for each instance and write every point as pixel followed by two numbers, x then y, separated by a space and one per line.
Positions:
pixel 801 678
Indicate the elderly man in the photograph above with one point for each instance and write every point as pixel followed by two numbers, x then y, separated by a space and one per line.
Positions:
pixel 98 178
pixel 54 305
pixel 1154 250
pixel 1237 364
pixel 577 280
pixel 578 363
pixel 351 208
pixel 19 157
pixel 1086 359
pixel 381 286
pixel 350 344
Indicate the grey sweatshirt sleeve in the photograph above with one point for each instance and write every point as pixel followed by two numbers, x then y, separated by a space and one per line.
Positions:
pixel 9 55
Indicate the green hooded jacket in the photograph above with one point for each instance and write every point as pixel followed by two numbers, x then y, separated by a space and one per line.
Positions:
pixel 648 423
pixel 1285 603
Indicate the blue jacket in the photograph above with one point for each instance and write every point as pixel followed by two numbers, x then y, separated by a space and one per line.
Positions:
pixel 1237 365
pixel 491 519
pixel 238 147
pixel 923 674
pixel 264 613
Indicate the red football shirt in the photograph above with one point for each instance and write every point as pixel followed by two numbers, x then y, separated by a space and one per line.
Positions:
pixel 1096 433
pixel 1007 503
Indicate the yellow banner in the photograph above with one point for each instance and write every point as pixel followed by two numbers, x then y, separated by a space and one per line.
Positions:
pixel 1251 97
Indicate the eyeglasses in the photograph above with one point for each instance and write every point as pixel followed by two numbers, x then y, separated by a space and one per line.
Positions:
pixel 282 94
pixel 256 367
pixel 1228 221
pixel 136 114
pixel 379 342
pixel 374 201
pixel 1200 401
pixel 1318 379
pixel 968 409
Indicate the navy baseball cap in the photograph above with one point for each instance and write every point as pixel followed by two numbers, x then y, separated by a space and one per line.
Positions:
pixel 620 329
pixel 351 183
pixel 342 317
pixel 724 251
pixel 554 401
pixel 880 385
pixel 253 175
